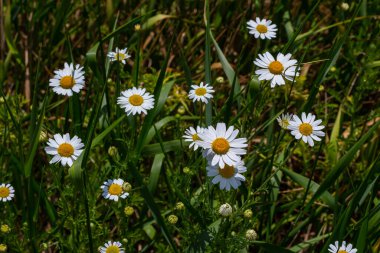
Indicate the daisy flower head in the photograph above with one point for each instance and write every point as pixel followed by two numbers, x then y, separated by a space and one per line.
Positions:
pixel 276 70
pixel 308 128
pixel 192 135
pixel 284 119
pixel 119 55
pixel 136 100
pixel 221 145
pixel 68 80
pixel 113 189
pixel 64 149
pixel 6 192
pixel 263 29
pixel 334 248
pixel 201 92
pixel 111 247
pixel 227 177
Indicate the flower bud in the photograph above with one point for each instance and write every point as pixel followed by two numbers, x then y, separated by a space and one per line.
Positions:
pixel 127 187
pixel 172 219
pixel 248 213
pixel 128 210
pixel 225 210
pixel 179 206
pixel 251 235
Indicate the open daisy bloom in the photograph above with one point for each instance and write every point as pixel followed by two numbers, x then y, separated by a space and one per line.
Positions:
pixel 284 119
pixel 111 247
pixel 221 145
pixel 119 55
pixel 192 136
pixel 263 29
pixel 276 70
pixel 227 177
pixel 64 149
pixel 201 92
pixel 68 80
pixel 308 128
pixel 113 189
pixel 6 192
pixel 334 248
pixel 136 100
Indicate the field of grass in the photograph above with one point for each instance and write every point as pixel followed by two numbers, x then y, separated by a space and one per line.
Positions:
pixel 295 197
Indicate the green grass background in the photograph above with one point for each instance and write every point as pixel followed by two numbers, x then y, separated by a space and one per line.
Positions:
pixel 302 198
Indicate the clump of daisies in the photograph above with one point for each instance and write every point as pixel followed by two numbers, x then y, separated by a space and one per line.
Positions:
pixel 335 248
pixel 111 247
pixel 64 149
pixel 223 152
pixel 308 128
pixel 120 55
pixel 68 80
pixel 113 189
pixel 192 135
pixel 221 145
pixel 227 177
pixel 136 101
pixel 7 192
pixel 201 92
pixel 263 29
pixel 276 70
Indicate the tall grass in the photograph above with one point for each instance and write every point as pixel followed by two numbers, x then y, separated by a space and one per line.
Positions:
pixel 302 198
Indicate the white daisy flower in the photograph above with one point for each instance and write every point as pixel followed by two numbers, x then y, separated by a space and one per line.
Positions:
pixel 113 189
pixel 262 28
pixel 192 136
pixel 227 176
pixel 68 80
pixel 284 119
pixel 201 92
pixel 222 146
pixel 276 69
pixel 6 192
pixel 119 55
pixel 308 128
pixel 334 248
pixel 136 100
pixel 111 247
pixel 64 149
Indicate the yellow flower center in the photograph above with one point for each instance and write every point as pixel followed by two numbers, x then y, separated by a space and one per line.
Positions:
pixel 285 123
pixel 65 150
pixel 227 171
pixel 136 100
pixel 120 56
pixel 305 129
pixel 4 192
pixel 113 249
pixel 200 91
pixel 195 137
pixel 276 67
pixel 342 251
pixel 220 146
pixel 115 189
pixel 67 82
pixel 261 28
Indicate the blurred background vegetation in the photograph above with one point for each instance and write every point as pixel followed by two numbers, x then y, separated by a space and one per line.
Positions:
pixel 338 46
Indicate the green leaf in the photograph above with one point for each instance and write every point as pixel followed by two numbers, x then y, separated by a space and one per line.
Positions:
pixel 326 197
pixel 335 172
pixel 153 20
pixel 308 243
pixel 75 170
pixel 168 146
pixel 155 172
